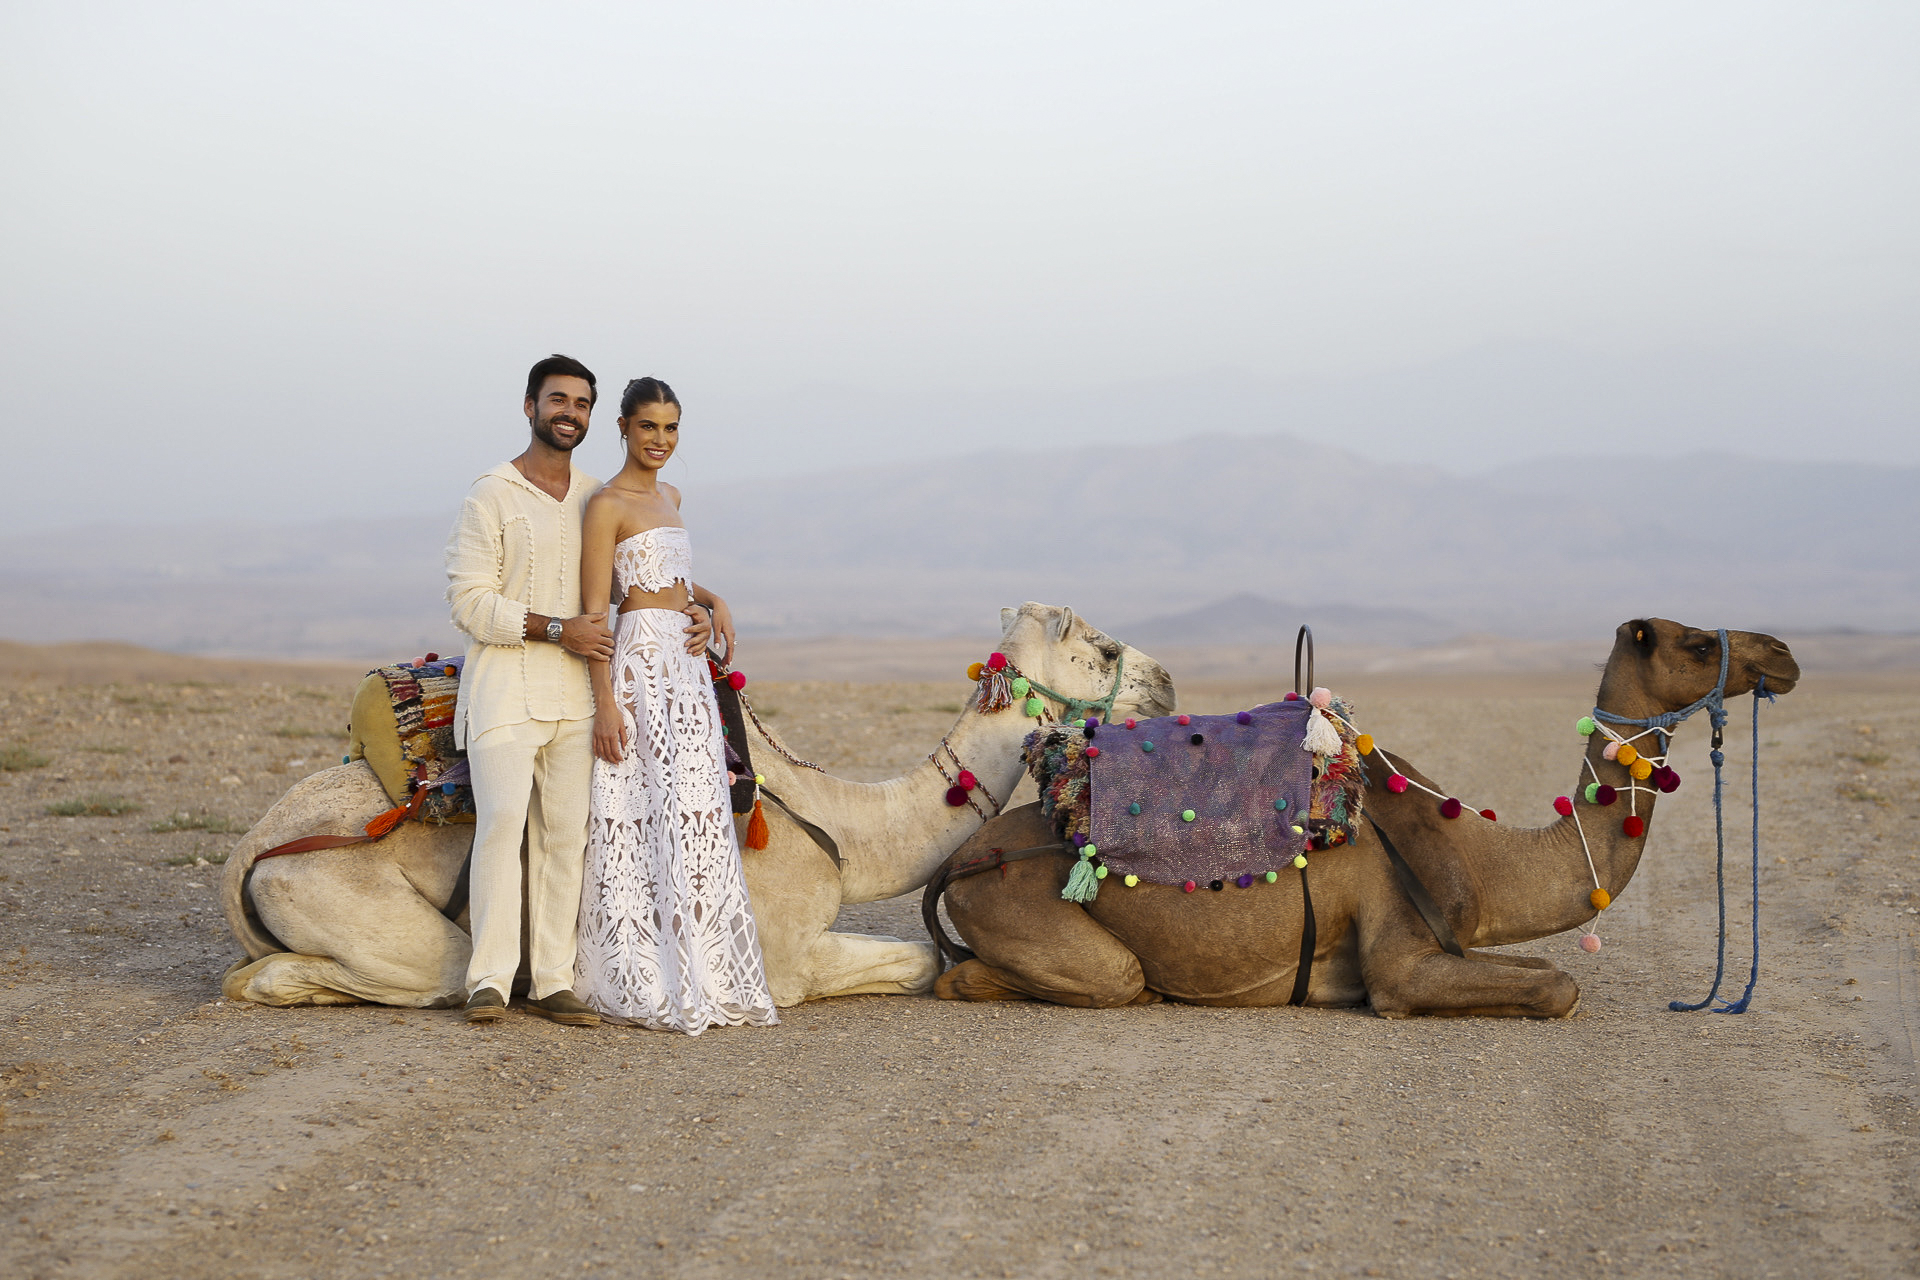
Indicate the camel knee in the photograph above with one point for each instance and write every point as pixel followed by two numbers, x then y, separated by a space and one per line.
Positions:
pixel 281 980
pixel 973 980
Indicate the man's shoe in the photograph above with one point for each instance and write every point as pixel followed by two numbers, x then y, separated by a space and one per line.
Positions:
pixel 486 1005
pixel 565 1007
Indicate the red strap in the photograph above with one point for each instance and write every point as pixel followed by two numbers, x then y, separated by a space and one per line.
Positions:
pixel 308 844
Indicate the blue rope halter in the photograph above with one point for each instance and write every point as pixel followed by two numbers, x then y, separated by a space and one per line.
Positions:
pixel 1714 703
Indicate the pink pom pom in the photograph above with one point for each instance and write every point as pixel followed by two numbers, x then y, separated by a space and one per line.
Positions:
pixel 966 780
pixel 1189 886
pixel 736 680
pixel 730 778
pixel 1612 751
pixel 1093 753
pixel 1184 720
pixel 1321 698
pixel 1131 722
pixel 1590 943
pixel 996 662
pixel 1397 783
pixel 1563 806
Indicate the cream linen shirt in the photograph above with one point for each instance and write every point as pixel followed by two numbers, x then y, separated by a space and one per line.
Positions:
pixel 513 551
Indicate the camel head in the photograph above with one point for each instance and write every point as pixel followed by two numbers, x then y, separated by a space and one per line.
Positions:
pixel 1052 645
pixel 1659 666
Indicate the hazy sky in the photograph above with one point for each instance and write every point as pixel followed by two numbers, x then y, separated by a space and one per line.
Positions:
pixel 286 260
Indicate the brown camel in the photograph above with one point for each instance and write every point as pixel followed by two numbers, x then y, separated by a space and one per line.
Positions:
pixel 1493 882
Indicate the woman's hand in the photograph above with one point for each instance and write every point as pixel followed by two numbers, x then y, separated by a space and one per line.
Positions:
pixel 699 629
pixel 723 623
pixel 609 735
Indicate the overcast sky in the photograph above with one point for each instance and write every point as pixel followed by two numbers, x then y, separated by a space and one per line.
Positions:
pixel 293 260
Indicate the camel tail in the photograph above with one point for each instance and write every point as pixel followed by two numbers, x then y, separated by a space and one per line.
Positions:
pixel 237 904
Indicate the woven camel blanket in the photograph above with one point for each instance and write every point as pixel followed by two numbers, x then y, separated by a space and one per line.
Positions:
pixel 423 697
pixel 1206 800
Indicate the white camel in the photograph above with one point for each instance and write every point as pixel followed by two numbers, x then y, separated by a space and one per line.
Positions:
pixel 366 924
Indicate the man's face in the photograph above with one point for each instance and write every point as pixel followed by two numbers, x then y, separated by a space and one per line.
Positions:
pixel 559 413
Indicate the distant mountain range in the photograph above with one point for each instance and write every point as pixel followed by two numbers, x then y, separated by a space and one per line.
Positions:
pixel 1214 539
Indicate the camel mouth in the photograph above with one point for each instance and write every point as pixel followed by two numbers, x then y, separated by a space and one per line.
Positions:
pixel 1780 682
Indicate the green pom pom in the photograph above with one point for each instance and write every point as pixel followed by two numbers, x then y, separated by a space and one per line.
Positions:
pixel 1300 860
pixel 346 759
pixel 1099 873
pixel 1079 724
pixel 1134 808
pixel 1033 707
pixel 1020 686
pixel 1186 815
pixel 1272 876
pixel 1280 805
pixel 1585 726
pixel 1593 793
pixel 1089 851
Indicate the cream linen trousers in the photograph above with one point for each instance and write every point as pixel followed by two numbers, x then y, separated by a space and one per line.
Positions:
pixel 532 776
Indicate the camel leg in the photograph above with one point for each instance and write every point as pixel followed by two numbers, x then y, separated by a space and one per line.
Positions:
pixel 853 964
pixel 354 931
pixel 1437 984
pixel 1031 944
pixel 289 979
pixel 1518 962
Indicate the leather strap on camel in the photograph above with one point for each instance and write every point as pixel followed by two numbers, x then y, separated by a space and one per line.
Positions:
pixel 993 859
pixel 1417 894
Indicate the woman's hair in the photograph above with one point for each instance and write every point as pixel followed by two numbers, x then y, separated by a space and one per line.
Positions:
pixel 646 391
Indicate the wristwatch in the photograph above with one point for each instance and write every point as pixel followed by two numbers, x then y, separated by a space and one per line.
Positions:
pixel 553 630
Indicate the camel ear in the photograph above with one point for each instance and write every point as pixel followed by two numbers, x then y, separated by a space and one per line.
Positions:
pixel 1062 623
pixel 1642 632
pixel 1006 619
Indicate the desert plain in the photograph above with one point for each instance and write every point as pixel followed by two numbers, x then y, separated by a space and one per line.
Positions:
pixel 153 1129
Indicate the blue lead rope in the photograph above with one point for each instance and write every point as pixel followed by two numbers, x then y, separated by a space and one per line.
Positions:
pixel 1720 857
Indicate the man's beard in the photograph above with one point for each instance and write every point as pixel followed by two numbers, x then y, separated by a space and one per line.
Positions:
pixel 543 428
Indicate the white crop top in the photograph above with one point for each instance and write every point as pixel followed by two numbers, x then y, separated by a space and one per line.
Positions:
pixel 653 559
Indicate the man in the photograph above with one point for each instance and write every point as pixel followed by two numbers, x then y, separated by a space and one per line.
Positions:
pixel 525 714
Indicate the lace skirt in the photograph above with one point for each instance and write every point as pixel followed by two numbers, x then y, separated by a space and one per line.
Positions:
pixel 667 938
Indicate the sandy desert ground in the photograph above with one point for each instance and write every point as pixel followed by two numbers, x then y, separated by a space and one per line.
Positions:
pixel 153 1129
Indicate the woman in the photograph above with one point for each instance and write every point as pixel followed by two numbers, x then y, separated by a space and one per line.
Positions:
pixel 667 938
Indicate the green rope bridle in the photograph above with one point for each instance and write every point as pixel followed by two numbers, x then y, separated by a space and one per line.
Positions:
pixel 1079 708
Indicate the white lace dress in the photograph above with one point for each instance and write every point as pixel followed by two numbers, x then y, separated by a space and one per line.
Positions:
pixel 667 938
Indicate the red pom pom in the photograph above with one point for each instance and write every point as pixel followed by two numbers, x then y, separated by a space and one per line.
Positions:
pixel 736 680
pixel 1563 806
pixel 996 662
pixel 1189 886
pixel 1397 783
pixel 1293 697
pixel 1605 795
pixel 1634 826
pixel 433 657
pixel 1489 815
pixel 1093 753
pixel 1185 720
pixel 966 780
pixel 1449 808
pixel 956 796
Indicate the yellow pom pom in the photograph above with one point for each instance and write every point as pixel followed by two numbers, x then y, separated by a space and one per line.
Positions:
pixel 1626 754
pixel 1300 860
pixel 1640 770
pixel 974 670
pixel 1600 899
pixel 1364 744
pixel 1132 881
pixel 759 779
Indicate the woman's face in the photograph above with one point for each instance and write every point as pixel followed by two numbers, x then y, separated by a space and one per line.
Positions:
pixel 652 431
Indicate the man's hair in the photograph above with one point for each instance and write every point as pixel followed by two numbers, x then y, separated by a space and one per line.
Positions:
pixel 558 366
pixel 646 391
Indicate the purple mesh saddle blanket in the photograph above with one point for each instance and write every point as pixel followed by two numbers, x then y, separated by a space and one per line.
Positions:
pixel 1216 799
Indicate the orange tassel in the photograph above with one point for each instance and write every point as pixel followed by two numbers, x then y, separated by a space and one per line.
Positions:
pixel 392 818
pixel 758 836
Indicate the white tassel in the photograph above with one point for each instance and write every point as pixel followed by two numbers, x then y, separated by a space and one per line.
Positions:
pixel 1322 738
